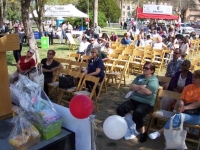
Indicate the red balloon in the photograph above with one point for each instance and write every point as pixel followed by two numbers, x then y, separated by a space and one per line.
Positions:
pixel 81 106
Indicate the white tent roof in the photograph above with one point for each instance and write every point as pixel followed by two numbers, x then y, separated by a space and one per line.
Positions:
pixel 63 11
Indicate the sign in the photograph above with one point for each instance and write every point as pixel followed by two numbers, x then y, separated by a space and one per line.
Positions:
pixel 58 10
pixel 81 127
pixel 157 9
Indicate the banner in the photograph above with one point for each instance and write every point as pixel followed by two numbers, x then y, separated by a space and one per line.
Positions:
pixel 157 9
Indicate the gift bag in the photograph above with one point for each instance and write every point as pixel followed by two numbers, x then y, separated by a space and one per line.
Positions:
pixel 39 78
pixel 175 138
pixel 23 134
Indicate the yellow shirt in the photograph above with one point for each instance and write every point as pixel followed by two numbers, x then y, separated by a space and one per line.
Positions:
pixel 190 94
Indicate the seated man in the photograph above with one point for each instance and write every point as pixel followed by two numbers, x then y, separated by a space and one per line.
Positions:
pixel 83 46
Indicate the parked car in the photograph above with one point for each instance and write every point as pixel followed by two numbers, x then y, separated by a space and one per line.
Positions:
pixel 186 28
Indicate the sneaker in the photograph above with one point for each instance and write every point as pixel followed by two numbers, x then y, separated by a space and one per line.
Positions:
pixel 154 135
pixel 143 137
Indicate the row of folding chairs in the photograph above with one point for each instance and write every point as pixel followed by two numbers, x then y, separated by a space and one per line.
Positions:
pixel 80 86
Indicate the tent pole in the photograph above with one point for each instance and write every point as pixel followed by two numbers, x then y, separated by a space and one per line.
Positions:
pixel 82 24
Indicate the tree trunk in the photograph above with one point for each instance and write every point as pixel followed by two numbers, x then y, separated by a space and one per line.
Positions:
pixel 25 4
pixel 183 15
pixel 5 11
pixel 95 12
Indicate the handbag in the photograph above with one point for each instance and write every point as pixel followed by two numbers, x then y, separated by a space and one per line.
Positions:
pixel 175 138
pixel 39 78
pixel 66 81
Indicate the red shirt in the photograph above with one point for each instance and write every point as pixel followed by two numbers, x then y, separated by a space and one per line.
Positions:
pixel 26 65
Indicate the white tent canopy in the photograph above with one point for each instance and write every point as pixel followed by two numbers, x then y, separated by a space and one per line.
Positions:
pixel 63 11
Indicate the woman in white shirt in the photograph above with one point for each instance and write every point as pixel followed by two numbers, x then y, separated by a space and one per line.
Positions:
pixel 60 33
pixel 148 41
pixel 83 46
pixel 159 44
pixel 185 46
pixel 139 41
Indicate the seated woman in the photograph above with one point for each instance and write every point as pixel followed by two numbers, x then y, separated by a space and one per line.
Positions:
pixel 113 37
pixel 126 40
pixel 139 42
pixel 189 104
pixel 159 44
pixel 145 88
pixel 177 83
pixel 25 64
pixel 95 68
pixel 49 66
pixel 83 46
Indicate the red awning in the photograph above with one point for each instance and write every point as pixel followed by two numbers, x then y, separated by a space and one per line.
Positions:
pixel 140 14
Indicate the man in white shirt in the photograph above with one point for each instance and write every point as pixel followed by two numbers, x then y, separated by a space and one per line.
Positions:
pixel 69 27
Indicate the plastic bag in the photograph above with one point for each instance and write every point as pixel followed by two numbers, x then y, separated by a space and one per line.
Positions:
pixel 23 134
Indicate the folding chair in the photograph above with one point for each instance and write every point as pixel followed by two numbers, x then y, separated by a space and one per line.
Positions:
pixel 52 87
pixel 158 59
pixel 74 56
pixel 85 58
pixel 118 72
pixel 75 65
pixel 79 77
pixel 72 43
pixel 92 95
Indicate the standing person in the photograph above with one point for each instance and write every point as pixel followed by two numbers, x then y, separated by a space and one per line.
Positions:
pixel 17 53
pixel 97 31
pixel 50 34
pixel 69 27
pixel 60 33
pixel 145 88
pixel 49 66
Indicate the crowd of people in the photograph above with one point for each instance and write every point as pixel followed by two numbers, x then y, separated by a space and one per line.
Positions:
pixel 96 44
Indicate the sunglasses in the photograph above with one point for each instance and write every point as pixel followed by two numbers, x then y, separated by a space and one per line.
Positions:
pixel 49 53
pixel 146 68
pixel 176 53
pixel 91 40
pixel 30 52
pixel 93 52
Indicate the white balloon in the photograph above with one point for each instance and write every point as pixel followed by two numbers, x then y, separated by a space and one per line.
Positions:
pixel 115 127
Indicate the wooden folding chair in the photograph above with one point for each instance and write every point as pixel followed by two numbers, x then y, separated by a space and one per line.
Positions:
pixel 118 72
pixel 72 43
pixel 118 51
pixel 113 56
pixel 74 56
pixel 83 67
pixel 85 58
pixel 158 59
pixel 78 77
pixel 75 65
pixel 167 54
pixel 92 95
pixel 65 62
pixel 52 87
pixel 135 63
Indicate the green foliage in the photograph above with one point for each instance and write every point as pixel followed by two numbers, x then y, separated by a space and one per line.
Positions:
pixel 101 19
pixel 109 8
pixel 76 21
pixel 14 11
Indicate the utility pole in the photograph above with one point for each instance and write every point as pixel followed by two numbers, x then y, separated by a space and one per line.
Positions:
pixel 95 12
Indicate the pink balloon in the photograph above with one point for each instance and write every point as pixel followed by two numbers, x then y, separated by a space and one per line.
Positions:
pixel 81 106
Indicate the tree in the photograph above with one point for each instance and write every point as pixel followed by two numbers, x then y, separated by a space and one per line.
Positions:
pixel 101 19
pixel 25 4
